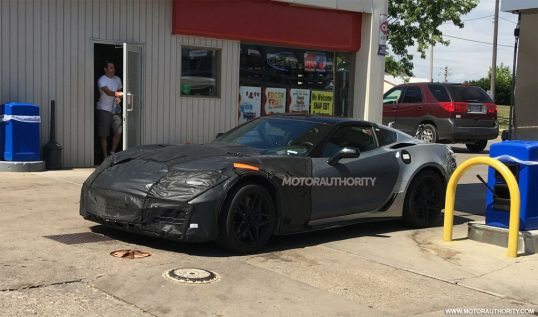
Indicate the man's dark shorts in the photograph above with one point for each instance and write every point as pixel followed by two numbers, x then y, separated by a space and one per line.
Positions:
pixel 107 123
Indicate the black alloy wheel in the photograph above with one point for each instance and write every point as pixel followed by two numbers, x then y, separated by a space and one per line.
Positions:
pixel 248 220
pixel 424 200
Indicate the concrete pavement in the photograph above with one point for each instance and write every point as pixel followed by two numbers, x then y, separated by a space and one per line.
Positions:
pixel 363 270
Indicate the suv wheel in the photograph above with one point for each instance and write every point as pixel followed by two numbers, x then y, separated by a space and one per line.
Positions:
pixel 477 147
pixel 429 133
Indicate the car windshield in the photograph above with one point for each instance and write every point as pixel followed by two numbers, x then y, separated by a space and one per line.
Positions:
pixel 278 136
pixel 462 93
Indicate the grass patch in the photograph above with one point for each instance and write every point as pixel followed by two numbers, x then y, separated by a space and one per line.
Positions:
pixel 503 115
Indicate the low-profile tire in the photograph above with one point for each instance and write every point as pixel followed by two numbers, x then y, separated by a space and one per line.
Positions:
pixel 429 133
pixel 247 221
pixel 477 147
pixel 424 200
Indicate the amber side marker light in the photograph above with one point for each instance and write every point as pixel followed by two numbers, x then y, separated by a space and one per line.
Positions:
pixel 246 167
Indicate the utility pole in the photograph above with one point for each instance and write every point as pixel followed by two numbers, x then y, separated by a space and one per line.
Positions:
pixel 446 74
pixel 494 61
pixel 431 64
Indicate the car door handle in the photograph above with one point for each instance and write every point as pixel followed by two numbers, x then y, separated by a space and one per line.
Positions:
pixel 420 107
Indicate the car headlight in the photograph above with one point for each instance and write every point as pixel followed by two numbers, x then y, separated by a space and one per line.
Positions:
pixel 185 185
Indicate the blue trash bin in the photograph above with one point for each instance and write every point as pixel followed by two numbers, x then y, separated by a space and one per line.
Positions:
pixel 2 133
pixel 22 132
pixel 521 157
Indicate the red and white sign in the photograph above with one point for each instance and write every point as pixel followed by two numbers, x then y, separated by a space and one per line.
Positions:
pixel 275 100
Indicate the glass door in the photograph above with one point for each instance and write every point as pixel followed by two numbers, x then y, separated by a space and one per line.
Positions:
pixel 132 88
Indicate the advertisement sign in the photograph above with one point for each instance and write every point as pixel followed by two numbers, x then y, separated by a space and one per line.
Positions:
pixel 299 100
pixel 315 62
pixel 383 35
pixel 321 102
pixel 275 100
pixel 250 103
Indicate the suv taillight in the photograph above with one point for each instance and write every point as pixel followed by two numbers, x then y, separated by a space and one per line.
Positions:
pixel 492 108
pixel 454 106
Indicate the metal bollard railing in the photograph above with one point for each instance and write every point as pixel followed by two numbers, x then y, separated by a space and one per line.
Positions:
pixel 513 187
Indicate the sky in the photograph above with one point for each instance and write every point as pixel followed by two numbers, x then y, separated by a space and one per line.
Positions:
pixel 468 60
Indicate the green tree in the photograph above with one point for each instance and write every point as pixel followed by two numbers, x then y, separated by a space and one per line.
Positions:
pixel 417 22
pixel 503 88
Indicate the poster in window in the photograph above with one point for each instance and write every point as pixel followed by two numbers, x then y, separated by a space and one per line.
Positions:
pixel 299 100
pixel 250 103
pixel 275 100
pixel 315 62
pixel 321 102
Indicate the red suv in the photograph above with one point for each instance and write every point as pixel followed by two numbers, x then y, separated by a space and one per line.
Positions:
pixel 446 113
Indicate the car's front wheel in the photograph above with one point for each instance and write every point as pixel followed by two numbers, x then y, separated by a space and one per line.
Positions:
pixel 424 200
pixel 248 219
pixel 477 147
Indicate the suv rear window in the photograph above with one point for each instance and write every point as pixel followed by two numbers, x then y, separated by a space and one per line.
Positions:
pixel 439 92
pixel 461 93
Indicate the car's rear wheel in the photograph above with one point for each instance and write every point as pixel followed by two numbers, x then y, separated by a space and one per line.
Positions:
pixel 248 219
pixel 428 133
pixel 477 147
pixel 424 200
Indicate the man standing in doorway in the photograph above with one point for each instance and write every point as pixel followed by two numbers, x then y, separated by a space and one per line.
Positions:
pixel 109 116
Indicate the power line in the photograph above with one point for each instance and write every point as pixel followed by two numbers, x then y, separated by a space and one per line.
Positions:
pixel 507 20
pixel 473 19
pixel 476 41
pixel 480 18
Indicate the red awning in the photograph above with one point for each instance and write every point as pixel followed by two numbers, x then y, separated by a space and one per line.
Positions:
pixel 268 22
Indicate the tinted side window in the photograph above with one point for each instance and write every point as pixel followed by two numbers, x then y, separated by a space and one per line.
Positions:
pixel 386 137
pixel 440 93
pixel 413 95
pixel 392 96
pixel 358 137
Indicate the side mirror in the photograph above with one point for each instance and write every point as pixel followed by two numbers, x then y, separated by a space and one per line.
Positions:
pixel 218 135
pixel 344 153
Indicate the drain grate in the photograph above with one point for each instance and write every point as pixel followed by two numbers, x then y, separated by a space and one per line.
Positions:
pixel 79 238
pixel 192 276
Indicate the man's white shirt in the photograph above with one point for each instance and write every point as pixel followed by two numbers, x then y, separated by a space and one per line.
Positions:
pixel 105 101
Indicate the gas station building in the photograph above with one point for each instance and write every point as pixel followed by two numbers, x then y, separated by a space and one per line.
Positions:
pixel 190 69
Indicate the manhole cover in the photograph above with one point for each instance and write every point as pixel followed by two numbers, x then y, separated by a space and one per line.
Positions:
pixel 192 276
pixel 130 254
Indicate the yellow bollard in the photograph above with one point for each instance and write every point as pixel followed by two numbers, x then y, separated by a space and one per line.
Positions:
pixel 513 187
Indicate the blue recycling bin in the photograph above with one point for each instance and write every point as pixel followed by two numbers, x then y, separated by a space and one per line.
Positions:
pixel 2 133
pixel 21 125
pixel 521 157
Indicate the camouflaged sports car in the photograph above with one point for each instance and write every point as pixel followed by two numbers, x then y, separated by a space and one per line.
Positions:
pixel 274 175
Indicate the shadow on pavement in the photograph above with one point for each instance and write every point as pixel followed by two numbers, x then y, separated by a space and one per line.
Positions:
pixel 463 150
pixel 380 229
pixel 471 198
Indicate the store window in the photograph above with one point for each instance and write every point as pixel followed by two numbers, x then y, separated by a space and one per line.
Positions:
pixel 289 80
pixel 200 72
